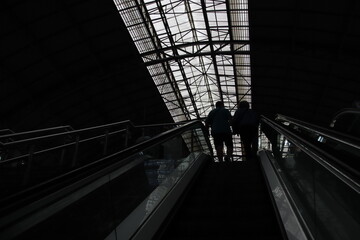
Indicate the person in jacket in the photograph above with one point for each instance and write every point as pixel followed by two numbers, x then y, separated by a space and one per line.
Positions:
pixel 219 120
pixel 246 123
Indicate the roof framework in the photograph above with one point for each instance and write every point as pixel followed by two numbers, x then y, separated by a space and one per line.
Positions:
pixel 197 52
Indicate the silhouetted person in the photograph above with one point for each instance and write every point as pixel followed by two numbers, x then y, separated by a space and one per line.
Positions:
pixel 272 136
pixel 219 120
pixel 245 123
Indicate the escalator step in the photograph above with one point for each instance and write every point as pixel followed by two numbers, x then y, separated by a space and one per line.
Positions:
pixel 229 200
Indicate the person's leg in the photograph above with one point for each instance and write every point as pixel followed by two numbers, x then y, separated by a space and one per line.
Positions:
pixel 219 147
pixel 254 142
pixel 247 147
pixel 229 147
pixel 245 137
pixel 220 153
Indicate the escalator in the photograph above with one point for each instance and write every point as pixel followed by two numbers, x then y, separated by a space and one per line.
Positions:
pixel 314 191
pixel 32 157
pixel 169 187
pixel 93 201
pixel 228 201
pixel 321 182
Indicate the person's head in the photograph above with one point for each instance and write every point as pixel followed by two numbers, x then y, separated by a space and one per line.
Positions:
pixel 219 104
pixel 244 104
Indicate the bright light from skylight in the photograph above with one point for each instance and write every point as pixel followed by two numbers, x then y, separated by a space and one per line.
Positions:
pixel 196 51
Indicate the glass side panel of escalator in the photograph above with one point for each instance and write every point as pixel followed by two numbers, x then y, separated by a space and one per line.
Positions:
pixel 97 213
pixel 329 206
pixel 343 147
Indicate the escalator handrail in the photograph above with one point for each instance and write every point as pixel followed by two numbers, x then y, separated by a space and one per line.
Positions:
pixel 344 111
pixel 319 156
pixel 329 133
pixel 88 173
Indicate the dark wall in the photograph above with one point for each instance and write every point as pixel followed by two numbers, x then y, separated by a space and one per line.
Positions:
pixel 305 57
pixel 71 62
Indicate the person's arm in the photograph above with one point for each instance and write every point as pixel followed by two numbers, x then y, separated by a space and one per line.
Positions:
pixel 235 118
pixel 207 126
pixel 234 121
pixel 208 121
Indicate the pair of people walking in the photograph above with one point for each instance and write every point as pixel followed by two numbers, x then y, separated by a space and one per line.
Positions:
pixel 244 123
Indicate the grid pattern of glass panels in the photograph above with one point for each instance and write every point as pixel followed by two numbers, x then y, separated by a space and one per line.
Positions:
pixel 197 51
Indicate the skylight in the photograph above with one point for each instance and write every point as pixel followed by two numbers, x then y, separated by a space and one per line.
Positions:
pixel 197 52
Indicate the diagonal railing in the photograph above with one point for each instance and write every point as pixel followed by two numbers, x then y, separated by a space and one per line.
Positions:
pixel 140 177
pixel 32 158
pixel 320 184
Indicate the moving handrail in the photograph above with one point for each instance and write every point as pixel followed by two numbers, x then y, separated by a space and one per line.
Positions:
pixel 343 112
pixel 322 190
pixel 342 146
pixel 334 135
pixel 320 156
pixel 44 195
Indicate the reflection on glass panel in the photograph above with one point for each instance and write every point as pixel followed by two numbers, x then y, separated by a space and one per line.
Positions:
pixel 81 220
pixel 163 159
pixel 108 200
pixel 347 152
pixel 328 205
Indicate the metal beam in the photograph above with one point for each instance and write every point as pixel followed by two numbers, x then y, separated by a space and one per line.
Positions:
pixel 178 57
pixel 175 52
pixel 212 53
pixel 152 33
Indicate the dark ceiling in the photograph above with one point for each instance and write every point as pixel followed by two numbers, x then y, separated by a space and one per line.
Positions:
pixel 73 62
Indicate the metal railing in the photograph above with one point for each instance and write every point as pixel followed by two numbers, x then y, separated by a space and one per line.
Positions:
pixel 27 162
pixel 321 188
pixel 6 131
pixel 58 140
pixel 328 132
pixel 319 155
pixel 343 112
pixel 344 149
pixel 8 135
pixel 33 206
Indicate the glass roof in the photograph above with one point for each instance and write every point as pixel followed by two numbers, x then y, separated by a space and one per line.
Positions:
pixel 197 52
